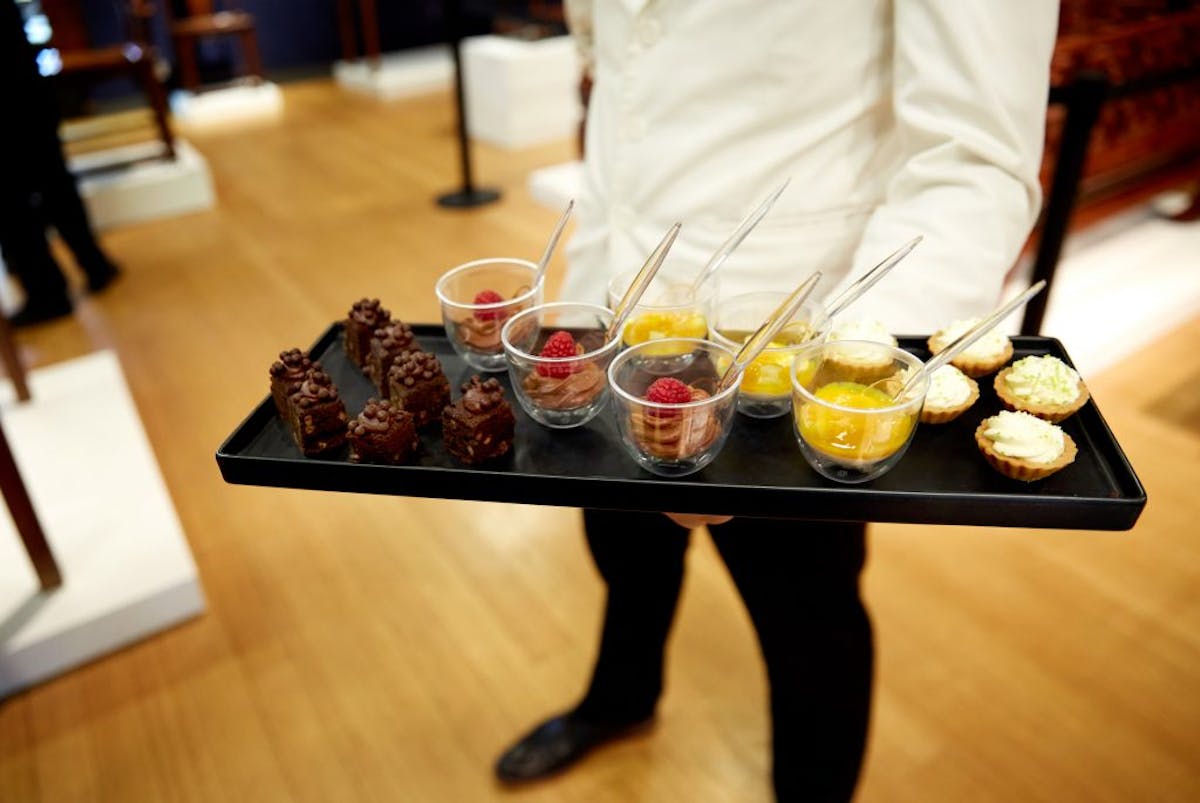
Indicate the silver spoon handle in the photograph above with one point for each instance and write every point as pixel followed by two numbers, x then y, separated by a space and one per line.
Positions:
pixel 967 338
pixel 870 278
pixel 734 240
pixel 640 283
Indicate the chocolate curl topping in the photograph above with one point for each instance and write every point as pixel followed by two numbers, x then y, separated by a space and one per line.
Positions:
pixel 368 312
pixel 482 395
pixel 292 361
pixel 395 336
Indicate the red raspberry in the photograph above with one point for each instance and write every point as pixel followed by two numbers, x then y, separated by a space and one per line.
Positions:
pixel 667 390
pixel 559 345
pixel 488 297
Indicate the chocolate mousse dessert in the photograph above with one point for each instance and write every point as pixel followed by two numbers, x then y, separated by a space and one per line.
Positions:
pixel 361 322
pixel 673 434
pixel 417 383
pixel 382 433
pixel 481 331
pixel 566 385
pixel 317 414
pixel 387 345
pixel 286 375
pixel 479 426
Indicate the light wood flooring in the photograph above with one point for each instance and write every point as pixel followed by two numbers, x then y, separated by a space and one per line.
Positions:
pixel 385 649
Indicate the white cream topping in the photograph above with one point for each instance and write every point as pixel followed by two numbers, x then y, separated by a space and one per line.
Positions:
pixel 1043 380
pixel 993 344
pixel 948 387
pixel 1025 437
pixel 864 329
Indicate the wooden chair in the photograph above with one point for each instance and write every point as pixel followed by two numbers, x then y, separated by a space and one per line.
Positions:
pixel 194 20
pixel 79 60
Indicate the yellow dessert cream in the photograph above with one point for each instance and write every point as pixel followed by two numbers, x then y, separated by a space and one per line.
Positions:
pixel 767 375
pixel 856 424
pixel 1024 436
pixel 655 325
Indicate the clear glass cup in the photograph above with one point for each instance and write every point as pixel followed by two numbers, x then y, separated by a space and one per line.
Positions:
pixel 850 431
pixel 672 440
pixel 560 392
pixel 766 382
pixel 667 309
pixel 473 328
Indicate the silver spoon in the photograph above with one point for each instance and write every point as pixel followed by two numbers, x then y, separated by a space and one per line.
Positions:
pixel 766 333
pixel 734 240
pixel 544 263
pixel 968 337
pixel 870 278
pixel 640 282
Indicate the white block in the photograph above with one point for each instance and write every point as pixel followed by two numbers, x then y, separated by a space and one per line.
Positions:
pixel 398 75
pixel 127 570
pixel 555 185
pixel 132 191
pixel 228 105
pixel 521 93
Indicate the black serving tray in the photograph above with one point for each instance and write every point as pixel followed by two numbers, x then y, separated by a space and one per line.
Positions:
pixel 941 480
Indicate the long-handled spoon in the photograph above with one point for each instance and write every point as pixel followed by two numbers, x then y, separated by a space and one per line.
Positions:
pixel 870 278
pixel 766 333
pixel 550 246
pixel 640 283
pixel 968 337
pixel 734 240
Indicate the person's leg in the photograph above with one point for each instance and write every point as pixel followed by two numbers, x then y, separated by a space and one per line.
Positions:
pixel 640 557
pixel 63 208
pixel 800 584
pixel 27 256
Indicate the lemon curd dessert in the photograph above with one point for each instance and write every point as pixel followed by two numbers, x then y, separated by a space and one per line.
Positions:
pixel 766 377
pixel 849 428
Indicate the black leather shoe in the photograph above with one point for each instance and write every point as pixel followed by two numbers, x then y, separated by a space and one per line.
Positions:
pixel 557 744
pixel 100 274
pixel 39 311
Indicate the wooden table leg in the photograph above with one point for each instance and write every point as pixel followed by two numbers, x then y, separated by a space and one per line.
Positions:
pixel 370 31
pixel 24 516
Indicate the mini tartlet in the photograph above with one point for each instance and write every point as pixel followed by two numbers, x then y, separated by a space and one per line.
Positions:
pixel 1024 447
pixel 986 355
pixel 951 393
pixel 1044 386
pixel 863 364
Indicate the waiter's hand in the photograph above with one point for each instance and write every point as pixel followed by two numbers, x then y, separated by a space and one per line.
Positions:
pixel 690 521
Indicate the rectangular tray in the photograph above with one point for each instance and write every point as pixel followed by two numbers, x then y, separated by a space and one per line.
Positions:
pixel 760 472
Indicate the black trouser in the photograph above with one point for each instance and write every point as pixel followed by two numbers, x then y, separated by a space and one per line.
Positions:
pixel 799 582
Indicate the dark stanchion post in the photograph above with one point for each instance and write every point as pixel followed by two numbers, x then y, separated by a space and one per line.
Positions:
pixel 469 195
pixel 1083 99
pixel 26 520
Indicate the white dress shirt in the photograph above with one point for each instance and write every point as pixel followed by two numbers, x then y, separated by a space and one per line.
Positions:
pixel 891 117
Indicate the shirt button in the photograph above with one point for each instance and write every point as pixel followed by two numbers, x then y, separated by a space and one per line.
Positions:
pixel 649 31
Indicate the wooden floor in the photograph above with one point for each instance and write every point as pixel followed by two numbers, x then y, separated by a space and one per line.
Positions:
pixel 384 649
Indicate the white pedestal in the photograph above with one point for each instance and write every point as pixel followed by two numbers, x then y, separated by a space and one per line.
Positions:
pixel 409 72
pixel 521 93
pixel 229 105
pixel 127 570
pixel 137 191
pixel 555 185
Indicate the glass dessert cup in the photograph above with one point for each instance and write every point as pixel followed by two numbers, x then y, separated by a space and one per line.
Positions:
pixel 766 390
pixel 849 431
pixel 477 299
pixel 666 310
pixel 560 391
pixel 672 439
